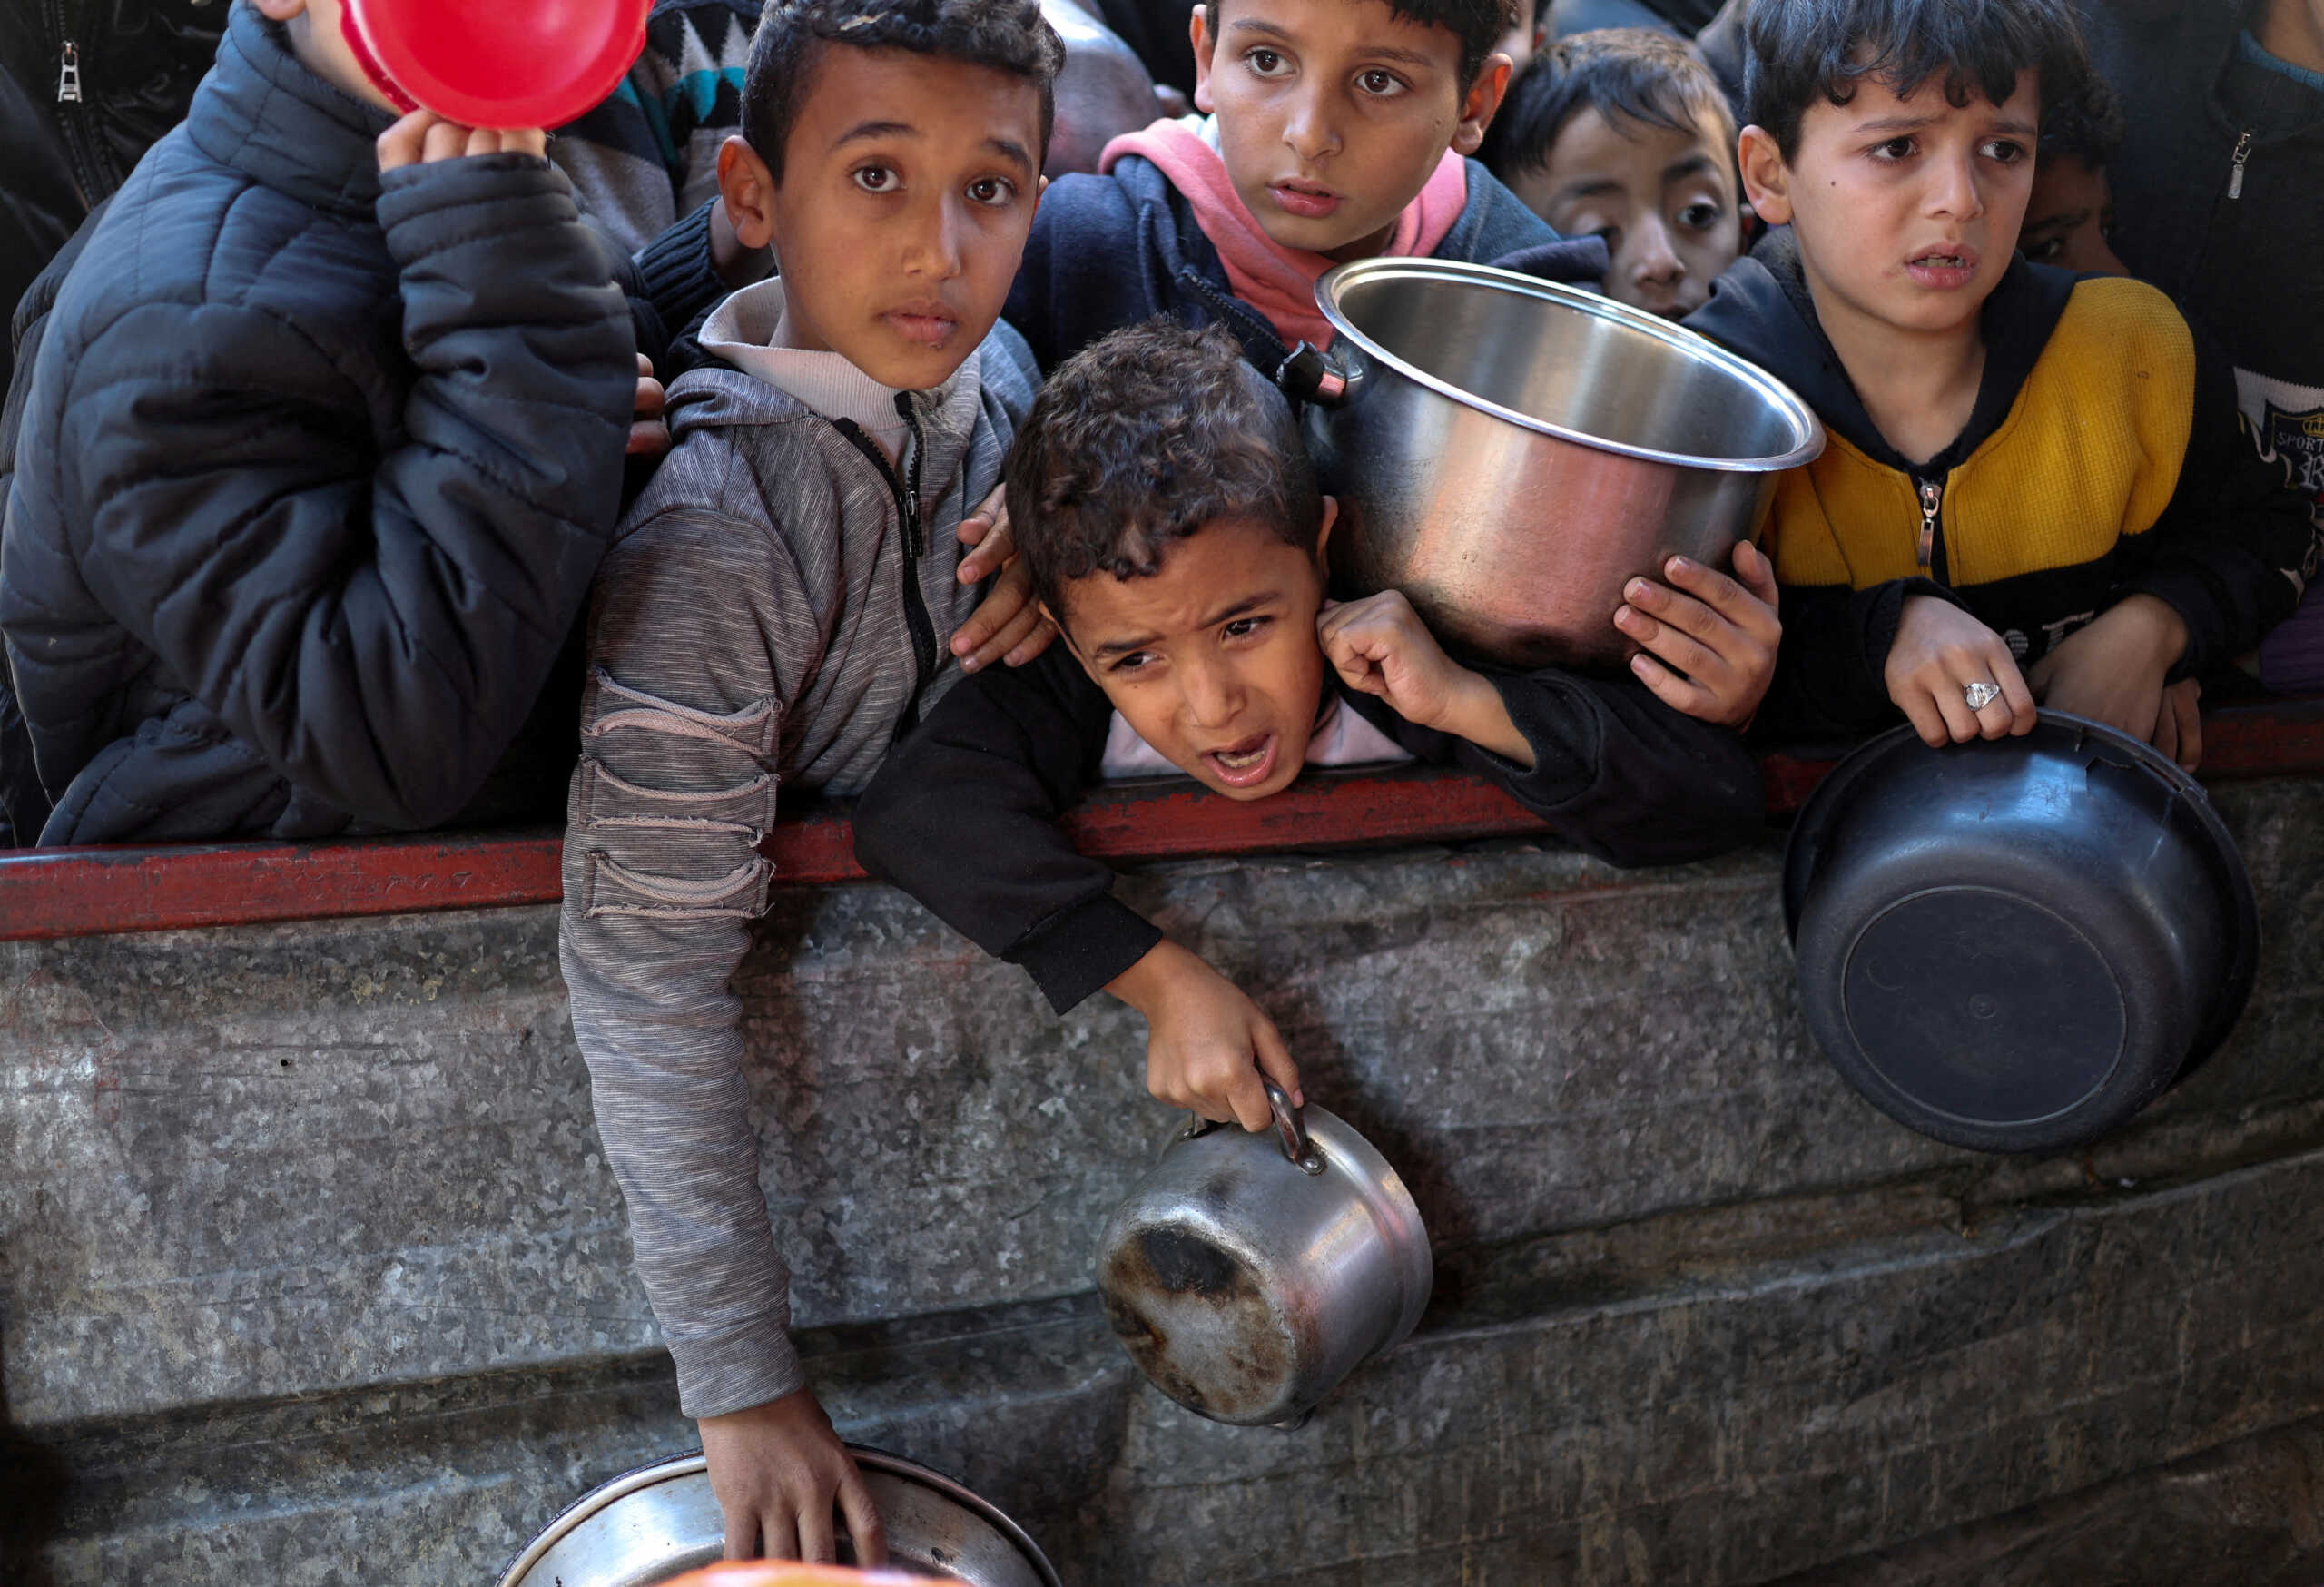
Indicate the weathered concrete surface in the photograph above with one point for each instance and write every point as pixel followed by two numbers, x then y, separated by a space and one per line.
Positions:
pixel 305 1242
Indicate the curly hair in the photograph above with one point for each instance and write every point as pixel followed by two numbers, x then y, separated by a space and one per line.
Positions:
pixel 1139 440
pixel 1624 73
pixel 1008 35
pixel 1798 52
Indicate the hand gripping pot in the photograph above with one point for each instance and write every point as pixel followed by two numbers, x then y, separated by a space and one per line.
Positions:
pixel 2015 944
pixel 501 64
pixel 652 1525
pixel 1247 1274
pixel 1510 452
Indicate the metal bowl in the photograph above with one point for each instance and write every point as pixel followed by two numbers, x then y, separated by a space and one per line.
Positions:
pixel 662 1521
pixel 1510 452
pixel 2014 945
pixel 1247 1274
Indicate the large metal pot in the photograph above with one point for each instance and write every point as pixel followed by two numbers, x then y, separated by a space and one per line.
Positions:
pixel 2014 945
pixel 1247 1274
pixel 1510 452
pixel 662 1521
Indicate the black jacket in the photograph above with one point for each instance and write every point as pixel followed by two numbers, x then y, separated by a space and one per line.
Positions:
pixel 2227 550
pixel 314 470
pixel 1111 250
pixel 963 813
pixel 87 86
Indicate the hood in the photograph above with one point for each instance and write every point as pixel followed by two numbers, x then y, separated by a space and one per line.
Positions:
pixel 1761 307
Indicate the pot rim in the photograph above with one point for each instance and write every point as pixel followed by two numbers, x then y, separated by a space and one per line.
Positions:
pixel 2055 730
pixel 670 1467
pixel 1781 398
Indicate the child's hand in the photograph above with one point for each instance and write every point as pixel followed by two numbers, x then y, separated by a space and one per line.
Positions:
pixel 648 436
pixel 1008 622
pixel 1205 1042
pixel 1940 650
pixel 1380 644
pixel 778 1470
pixel 423 137
pixel 2113 671
pixel 1710 652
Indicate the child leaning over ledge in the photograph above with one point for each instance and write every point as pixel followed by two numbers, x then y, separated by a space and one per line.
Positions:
pixel 776 605
pixel 320 450
pixel 1170 516
pixel 2034 486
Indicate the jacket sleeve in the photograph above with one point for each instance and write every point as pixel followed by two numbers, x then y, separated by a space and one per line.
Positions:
pixel 1831 668
pixel 1616 773
pixel 963 815
pixel 374 624
pixel 2237 542
pixel 681 724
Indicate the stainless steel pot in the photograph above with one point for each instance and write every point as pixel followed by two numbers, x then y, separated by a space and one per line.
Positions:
pixel 1510 452
pixel 2014 945
pixel 662 1521
pixel 1247 1274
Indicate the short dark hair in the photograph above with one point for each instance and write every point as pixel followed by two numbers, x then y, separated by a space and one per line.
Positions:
pixel 1008 35
pixel 2089 129
pixel 1798 52
pixel 1477 24
pixel 1139 440
pixel 1637 73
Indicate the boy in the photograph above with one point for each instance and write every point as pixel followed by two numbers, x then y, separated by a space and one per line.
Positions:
pixel 2070 215
pixel 1175 537
pixel 1338 131
pixel 1625 135
pixel 776 608
pixel 321 444
pixel 2033 487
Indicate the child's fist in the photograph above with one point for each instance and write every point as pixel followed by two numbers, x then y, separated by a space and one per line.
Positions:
pixel 1379 645
pixel 1207 1044
pixel 423 137
pixel 1940 654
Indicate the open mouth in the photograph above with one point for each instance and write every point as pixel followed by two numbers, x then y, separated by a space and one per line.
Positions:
pixel 1245 764
pixel 1944 267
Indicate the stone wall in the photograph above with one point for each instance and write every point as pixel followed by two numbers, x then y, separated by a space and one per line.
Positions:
pixel 311 1271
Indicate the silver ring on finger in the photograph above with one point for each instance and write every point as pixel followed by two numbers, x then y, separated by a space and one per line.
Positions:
pixel 1980 694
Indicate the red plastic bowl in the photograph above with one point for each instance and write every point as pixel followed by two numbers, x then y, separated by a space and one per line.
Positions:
pixel 497 62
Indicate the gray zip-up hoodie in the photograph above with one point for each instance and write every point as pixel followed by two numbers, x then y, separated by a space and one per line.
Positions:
pixel 771 611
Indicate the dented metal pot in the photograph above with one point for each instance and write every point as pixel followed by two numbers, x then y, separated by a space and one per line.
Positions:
pixel 1247 1274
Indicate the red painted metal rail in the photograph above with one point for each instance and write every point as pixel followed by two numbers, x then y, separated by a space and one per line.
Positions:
pixel 68 892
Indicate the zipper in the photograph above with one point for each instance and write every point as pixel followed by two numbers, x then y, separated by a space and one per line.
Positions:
pixel 906 492
pixel 2235 173
pixel 88 179
pixel 68 76
pixel 1931 495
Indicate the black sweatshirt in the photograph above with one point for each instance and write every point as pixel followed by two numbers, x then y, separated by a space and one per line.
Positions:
pixel 963 813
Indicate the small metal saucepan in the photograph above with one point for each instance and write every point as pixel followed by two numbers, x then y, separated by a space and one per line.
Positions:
pixel 2014 945
pixel 1247 1274
pixel 1510 452
pixel 662 1521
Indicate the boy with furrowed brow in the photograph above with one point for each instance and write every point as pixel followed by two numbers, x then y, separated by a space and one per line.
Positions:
pixel 775 606
pixel 2035 486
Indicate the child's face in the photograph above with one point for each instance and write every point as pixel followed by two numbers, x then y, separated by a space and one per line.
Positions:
pixel 1333 114
pixel 1906 209
pixel 1664 201
pixel 909 184
pixel 1213 659
pixel 2070 218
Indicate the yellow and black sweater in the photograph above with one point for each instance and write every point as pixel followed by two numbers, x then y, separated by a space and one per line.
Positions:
pixel 2103 457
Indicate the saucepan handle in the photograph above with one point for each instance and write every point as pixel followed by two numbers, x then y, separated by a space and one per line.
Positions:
pixel 1300 1150
pixel 1308 374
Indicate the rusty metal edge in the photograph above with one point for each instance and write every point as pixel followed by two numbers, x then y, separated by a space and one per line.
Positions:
pixel 84 892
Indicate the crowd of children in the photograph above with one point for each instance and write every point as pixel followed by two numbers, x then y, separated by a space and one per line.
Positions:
pixel 335 418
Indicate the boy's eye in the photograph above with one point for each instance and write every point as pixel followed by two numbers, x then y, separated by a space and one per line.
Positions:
pixel 994 190
pixel 1378 84
pixel 1136 661
pixel 2045 252
pixel 1265 63
pixel 1244 627
pixel 2005 151
pixel 877 178
pixel 1701 215
pixel 1893 149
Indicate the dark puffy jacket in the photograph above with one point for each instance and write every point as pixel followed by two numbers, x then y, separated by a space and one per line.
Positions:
pixel 314 470
pixel 87 86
